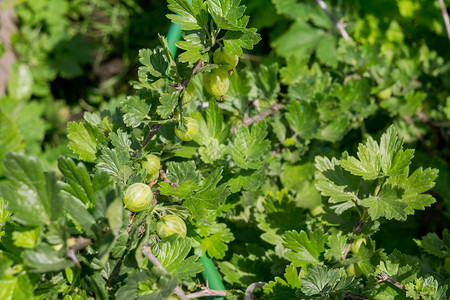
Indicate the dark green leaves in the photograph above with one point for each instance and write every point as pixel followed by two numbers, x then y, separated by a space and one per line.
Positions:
pixel 135 110
pixel 35 199
pixel 304 249
pixel 247 147
pixel 155 63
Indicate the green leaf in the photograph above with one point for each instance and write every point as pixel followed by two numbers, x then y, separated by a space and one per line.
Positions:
pixel 78 181
pixel 303 119
pixel 168 103
pixel 234 41
pixel 323 281
pixel 45 259
pixel 120 140
pixel 182 191
pixel 135 110
pixel 227 14
pixel 26 238
pixel 368 257
pixel 16 287
pixel 179 172
pixel 155 62
pixel 35 199
pixel 304 249
pixel 20 82
pixel 337 245
pixel 425 289
pixel 214 239
pixel 208 197
pixel 388 203
pixel 247 148
pixel 327 51
pixel 188 16
pixel 193 52
pixel 433 245
pixel 84 139
pixel 172 256
pixel 299 40
pixel 10 138
pixel 112 160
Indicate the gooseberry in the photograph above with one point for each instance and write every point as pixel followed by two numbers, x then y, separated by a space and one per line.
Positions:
pixel 138 197
pixel 169 225
pixel 216 82
pixel 189 91
pixel 189 134
pixel 151 163
pixel 220 56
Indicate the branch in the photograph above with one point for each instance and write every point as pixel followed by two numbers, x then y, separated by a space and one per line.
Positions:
pixel 424 118
pixel 151 258
pixel 205 292
pixel 80 243
pixel 339 25
pixel 446 18
pixel 251 288
pixel 385 277
pixel 276 107
pixel 356 230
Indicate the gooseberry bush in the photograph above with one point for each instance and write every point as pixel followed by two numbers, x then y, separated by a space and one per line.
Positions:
pixel 295 175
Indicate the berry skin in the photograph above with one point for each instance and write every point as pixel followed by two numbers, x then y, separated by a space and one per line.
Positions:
pixel 220 56
pixel 151 163
pixel 216 83
pixel 192 130
pixel 138 197
pixel 169 225
pixel 188 93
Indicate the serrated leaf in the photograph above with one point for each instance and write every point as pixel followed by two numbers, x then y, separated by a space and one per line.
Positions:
pixel 172 256
pixel 320 280
pixel 227 14
pixel 188 16
pixel 433 245
pixel 248 147
pixel 120 140
pixel 214 239
pixel 208 197
pixel 303 119
pixel 84 140
pixel 35 199
pixel 78 180
pixel 193 53
pixel 179 172
pixel 168 103
pixel 155 62
pixel 135 110
pixel 112 160
pixel 10 138
pixel 181 191
pixel 337 245
pixel 16 287
pixel 386 204
pixel 304 249
pixel 234 41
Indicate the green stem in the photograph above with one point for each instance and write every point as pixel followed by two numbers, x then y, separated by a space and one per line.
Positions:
pixel 380 183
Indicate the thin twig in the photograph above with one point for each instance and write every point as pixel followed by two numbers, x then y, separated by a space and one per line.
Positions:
pixel 251 288
pixel 339 25
pixel 80 243
pixel 274 108
pixel 356 230
pixel 152 258
pixel 385 277
pixel 166 180
pixel 151 133
pixel 424 118
pixel 130 220
pixel 446 18
pixel 206 292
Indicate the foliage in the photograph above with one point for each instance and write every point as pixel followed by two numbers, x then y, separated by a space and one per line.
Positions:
pixel 322 170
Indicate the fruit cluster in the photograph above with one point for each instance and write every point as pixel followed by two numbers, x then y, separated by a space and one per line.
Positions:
pixel 216 82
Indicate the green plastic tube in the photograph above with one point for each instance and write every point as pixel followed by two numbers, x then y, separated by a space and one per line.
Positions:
pixel 209 272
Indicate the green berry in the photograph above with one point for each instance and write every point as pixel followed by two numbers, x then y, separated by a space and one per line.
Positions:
pixel 151 163
pixel 220 56
pixel 138 197
pixel 169 225
pixel 216 83
pixel 190 133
